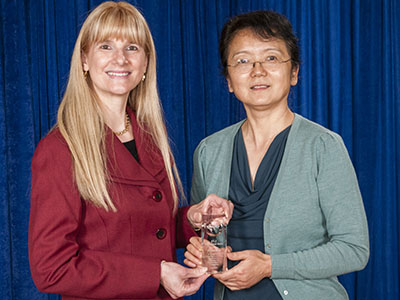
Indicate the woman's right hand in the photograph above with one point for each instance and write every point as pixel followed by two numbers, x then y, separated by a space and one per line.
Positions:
pixel 193 252
pixel 179 281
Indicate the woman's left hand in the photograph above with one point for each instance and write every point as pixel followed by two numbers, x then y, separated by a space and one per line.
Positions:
pixel 212 204
pixel 254 266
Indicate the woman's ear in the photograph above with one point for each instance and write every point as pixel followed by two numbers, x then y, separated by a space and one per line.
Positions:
pixel 228 80
pixel 294 76
pixel 147 63
pixel 85 65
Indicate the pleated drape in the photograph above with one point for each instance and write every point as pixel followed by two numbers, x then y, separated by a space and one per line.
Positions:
pixel 349 82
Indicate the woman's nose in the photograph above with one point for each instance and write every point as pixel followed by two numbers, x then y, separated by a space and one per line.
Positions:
pixel 258 69
pixel 120 57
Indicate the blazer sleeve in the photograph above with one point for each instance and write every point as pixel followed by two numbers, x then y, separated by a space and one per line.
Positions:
pixel 58 263
pixel 184 231
pixel 347 246
pixel 197 194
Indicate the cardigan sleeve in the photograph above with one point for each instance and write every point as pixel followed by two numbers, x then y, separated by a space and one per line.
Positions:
pixel 198 193
pixel 58 263
pixel 347 246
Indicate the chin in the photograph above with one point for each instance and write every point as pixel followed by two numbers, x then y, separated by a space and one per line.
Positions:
pixel 121 92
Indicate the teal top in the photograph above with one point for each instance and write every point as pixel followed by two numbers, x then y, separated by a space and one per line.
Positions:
pixel 315 226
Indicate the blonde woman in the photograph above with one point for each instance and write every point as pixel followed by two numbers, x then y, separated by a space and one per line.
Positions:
pixel 104 217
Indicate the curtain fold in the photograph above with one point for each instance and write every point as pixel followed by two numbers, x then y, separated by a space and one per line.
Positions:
pixel 349 81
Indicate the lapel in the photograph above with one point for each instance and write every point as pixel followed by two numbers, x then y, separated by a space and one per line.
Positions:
pixel 124 168
pixel 219 162
pixel 291 143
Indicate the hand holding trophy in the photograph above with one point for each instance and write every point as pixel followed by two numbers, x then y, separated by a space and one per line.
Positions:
pixel 211 216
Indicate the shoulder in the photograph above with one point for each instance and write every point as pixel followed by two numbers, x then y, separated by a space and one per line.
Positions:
pixel 219 138
pixel 53 147
pixel 53 141
pixel 312 132
pixel 311 128
pixel 312 139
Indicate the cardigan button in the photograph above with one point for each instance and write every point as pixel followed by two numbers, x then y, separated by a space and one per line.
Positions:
pixel 161 233
pixel 285 292
pixel 157 196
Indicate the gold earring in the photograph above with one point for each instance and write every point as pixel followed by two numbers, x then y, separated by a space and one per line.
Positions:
pixel 85 74
pixel 144 77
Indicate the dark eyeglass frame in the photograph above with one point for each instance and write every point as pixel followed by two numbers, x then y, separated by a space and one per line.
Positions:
pixel 247 67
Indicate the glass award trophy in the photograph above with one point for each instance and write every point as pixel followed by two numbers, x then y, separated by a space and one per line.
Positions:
pixel 214 243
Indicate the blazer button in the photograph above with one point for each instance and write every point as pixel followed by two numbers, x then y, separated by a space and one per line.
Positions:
pixel 157 196
pixel 161 233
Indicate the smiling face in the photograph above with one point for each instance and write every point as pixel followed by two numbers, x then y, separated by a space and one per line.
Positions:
pixel 115 67
pixel 262 86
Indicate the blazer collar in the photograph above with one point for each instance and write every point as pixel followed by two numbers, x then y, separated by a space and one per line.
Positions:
pixel 124 168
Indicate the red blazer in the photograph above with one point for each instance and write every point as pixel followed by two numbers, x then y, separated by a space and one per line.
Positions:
pixel 81 251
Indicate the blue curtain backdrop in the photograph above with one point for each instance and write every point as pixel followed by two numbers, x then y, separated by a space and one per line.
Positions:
pixel 349 82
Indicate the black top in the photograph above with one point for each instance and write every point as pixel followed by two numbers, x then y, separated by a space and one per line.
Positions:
pixel 245 229
pixel 131 146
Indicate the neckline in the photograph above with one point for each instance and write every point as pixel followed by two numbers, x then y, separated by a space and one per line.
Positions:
pixel 128 142
pixel 265 157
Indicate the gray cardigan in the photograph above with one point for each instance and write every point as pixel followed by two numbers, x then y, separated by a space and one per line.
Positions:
pixel 315 226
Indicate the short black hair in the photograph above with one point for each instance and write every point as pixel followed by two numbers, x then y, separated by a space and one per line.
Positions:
pixel 265 24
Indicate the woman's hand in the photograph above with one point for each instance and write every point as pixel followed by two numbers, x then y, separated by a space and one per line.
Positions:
pixel 193 252
pixel 254 266
pixel 212 205
pixel 179 281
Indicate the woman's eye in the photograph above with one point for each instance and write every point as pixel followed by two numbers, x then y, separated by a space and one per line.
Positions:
pixel 271 58
pixel 242 61
pixel 133 48
pixel 105 47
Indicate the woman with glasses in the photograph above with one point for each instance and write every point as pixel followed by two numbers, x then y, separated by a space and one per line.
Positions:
pixel 104 221
pixel 298 219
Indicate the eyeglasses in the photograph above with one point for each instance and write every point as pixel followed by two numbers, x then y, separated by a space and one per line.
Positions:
pixel 245 65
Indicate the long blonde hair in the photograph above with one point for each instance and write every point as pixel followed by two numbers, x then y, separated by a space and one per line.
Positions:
pixel 79 117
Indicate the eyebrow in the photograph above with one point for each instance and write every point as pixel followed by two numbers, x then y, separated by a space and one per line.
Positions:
pixel 111 41
pixel 264 50
pixel 101 42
